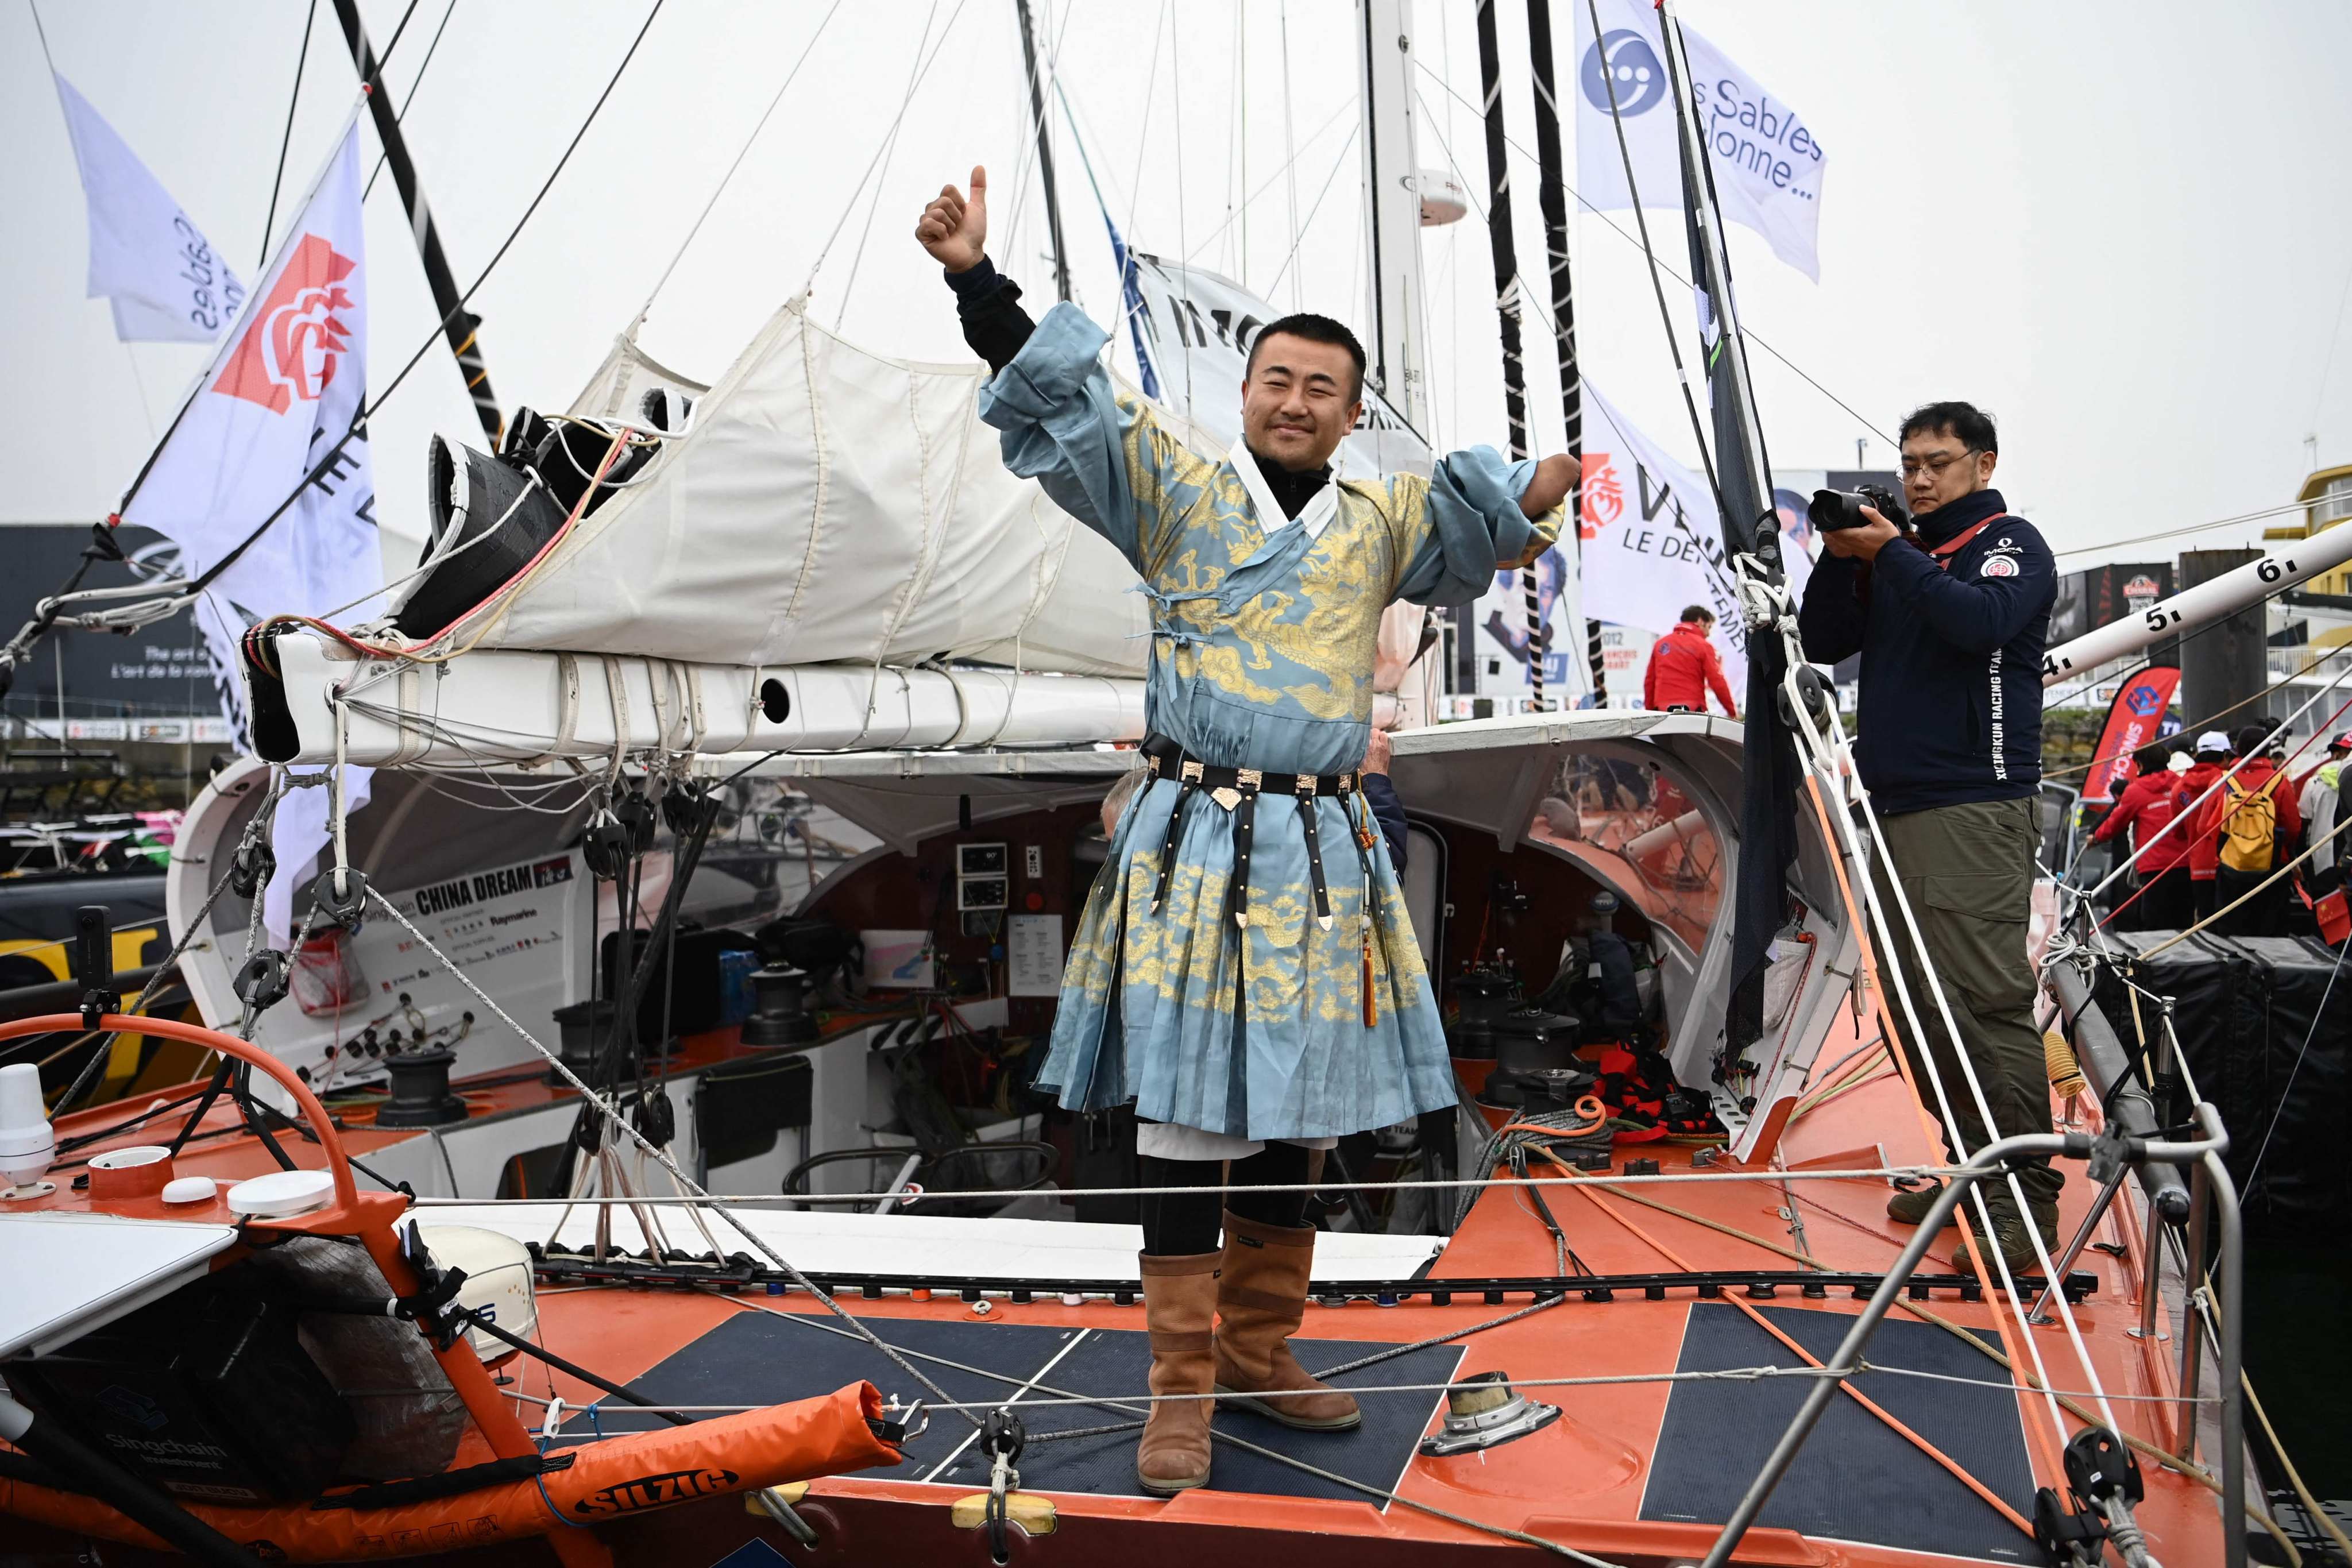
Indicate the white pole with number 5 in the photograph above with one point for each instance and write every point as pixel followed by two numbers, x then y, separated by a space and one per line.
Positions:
pixel 2192 607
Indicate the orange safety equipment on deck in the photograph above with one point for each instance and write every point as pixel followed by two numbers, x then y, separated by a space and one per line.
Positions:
pixel 614 1480
pixel 789 1442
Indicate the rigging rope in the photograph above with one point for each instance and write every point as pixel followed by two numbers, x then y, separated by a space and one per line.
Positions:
pixel 620 1123
pixel 1619 231
pixel 1821 761
pixel 2190 810
pixel 189 590
pixel 889 140
pixel 878 177
pixel 2204 721
pixel 431 47
pixel 301 59
pixel 1276 1455
pixel 1649 253
pixel 398 28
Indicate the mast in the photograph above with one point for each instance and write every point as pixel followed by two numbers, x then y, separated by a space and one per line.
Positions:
pixel 1507 305
pixel 1552 195
pixel 1769 769
pixel 1393 231
pixel 1044 153
pixel 459 325
pixel 1748 524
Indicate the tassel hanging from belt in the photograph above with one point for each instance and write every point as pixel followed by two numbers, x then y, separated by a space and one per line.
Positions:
pixel 1362 825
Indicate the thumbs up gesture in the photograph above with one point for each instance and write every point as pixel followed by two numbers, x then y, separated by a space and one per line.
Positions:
pixel 954 228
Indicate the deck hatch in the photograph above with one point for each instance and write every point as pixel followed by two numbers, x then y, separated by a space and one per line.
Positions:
pixel 1855 1479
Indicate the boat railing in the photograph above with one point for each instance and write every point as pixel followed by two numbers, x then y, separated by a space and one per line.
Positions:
pixel 2214 1202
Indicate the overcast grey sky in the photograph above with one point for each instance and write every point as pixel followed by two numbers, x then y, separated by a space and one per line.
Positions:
pixel 2123 227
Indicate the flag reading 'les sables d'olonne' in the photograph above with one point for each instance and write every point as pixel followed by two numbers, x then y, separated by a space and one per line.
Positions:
pixel 1767 163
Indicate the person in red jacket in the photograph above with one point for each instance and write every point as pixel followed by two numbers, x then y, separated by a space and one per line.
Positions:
pixel 2162 902
pixel 1684 667
pixel 2263 914
pixel 2211 760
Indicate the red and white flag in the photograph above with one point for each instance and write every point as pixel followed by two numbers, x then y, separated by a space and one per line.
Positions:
pixel 266 416
pixel 267 437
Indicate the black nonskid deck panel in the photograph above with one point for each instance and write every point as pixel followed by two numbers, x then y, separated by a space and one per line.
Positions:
pixel 761 1358
pixel 1856 1479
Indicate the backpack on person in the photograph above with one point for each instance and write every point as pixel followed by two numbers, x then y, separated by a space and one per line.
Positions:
pixel 2249 826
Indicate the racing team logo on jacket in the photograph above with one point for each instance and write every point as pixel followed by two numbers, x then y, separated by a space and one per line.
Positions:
pixel 1997 566
pixel 294 342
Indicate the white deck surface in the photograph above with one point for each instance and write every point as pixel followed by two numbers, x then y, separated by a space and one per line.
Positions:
pixel 911 1244
pixel 62 1275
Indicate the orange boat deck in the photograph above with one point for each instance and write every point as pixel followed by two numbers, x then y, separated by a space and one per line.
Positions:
pixel 1616 1477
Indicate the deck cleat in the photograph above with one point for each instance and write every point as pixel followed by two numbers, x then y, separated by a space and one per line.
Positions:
pixel 1484 1411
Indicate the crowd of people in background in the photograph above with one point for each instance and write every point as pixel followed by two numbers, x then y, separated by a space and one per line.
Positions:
pixel 2209 853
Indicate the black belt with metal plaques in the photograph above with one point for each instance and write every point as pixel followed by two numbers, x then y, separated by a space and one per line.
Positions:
pixel 1238 789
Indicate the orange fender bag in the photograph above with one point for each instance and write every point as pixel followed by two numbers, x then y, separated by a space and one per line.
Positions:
pixel 606 1480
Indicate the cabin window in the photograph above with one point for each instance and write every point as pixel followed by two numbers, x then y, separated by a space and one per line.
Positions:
pixel 1640 834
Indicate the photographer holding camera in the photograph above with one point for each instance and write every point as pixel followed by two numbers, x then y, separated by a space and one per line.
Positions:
pixel 1949 609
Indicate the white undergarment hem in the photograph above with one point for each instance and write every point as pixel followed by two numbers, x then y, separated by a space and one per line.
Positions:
pixel 1174 1140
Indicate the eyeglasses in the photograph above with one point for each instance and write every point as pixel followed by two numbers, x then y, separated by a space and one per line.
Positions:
pixel 1935 465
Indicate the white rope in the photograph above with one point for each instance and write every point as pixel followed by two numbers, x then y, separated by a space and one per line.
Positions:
pixel 741 154
pixel 1278 1456
pixel 1829 757
pixel 889 141
pixel 1874 1173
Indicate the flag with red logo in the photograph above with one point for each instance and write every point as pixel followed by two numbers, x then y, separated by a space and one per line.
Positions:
pixel 263 476
pixel 2134 719
pixel 267 432
pixel 1652 541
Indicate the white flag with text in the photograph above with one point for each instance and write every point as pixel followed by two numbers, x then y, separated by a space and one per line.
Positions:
pixel 1652 538
pixel 147 257
pixel 268 432
pixel 1768 162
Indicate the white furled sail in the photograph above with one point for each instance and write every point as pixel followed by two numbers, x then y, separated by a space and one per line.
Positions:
pixel 618 390
pixel 823 504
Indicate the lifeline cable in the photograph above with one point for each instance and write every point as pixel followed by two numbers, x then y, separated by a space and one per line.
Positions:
pixel 620 1123
pixel 1829 751
pixel 1278 1456
pixel 293 100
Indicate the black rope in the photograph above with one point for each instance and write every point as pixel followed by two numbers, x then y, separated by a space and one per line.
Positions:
pixel 278 181
pixel 89 1074
pixel 401 118
pixel 402 26
pixel 68 1145
pixel 213 1087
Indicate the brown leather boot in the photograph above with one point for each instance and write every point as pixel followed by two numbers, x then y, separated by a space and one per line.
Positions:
pixel 1261 1297
pixel 1179 1307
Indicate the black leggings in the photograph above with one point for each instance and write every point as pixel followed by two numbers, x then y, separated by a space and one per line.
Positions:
pixel 1181 1224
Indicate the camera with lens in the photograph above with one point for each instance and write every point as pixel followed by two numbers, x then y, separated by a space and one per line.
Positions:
pixel 1835 509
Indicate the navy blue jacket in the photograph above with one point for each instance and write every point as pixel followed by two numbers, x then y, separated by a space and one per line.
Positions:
pixel 1951 659
pixel 1388 812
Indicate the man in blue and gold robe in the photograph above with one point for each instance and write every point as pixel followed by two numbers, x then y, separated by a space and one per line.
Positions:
pixel 1245 971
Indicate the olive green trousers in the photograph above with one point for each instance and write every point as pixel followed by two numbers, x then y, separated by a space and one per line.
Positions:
pixel 1967 872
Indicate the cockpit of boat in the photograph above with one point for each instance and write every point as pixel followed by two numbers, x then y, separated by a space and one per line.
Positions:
pixel 932 957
